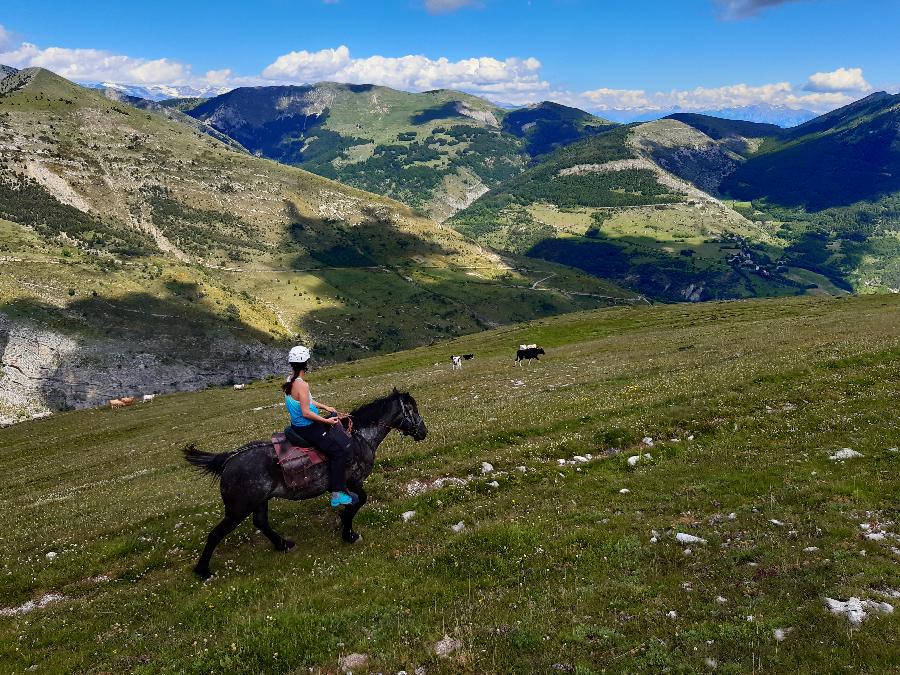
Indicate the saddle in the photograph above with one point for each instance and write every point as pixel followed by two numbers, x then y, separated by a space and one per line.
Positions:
pixel 296 462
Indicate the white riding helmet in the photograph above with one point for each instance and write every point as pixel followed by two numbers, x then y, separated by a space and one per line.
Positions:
pixel 298 354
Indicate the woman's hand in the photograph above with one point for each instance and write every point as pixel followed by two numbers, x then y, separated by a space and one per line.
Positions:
pixel 332 420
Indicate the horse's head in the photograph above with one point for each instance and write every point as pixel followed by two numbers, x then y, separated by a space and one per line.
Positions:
pixel 408 420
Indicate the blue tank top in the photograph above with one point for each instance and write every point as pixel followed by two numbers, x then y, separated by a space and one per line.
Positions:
pixel 296 412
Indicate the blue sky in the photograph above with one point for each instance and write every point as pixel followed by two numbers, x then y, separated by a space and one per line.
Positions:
pixel 598 54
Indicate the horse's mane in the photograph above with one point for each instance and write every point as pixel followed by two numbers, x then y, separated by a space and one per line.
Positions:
pixel 371 412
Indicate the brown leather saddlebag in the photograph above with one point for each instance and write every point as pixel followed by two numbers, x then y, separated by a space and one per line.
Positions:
pixel 296 463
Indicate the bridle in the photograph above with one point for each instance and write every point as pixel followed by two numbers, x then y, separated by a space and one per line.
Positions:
pixel 405 416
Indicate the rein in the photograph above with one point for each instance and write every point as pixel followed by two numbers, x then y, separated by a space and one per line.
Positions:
pixel 349 419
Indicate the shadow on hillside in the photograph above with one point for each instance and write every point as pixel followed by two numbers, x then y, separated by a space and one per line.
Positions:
pixel 446 111
pixel 639 264
pixel 823 172
pixel 375 241
pixel 384 310
pixel 132 345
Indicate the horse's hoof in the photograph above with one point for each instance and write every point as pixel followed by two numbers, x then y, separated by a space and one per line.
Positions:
pixel 287 546
pixel 352 537
pixel 203 573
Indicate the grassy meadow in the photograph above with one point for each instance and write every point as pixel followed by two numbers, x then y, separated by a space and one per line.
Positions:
pixel 556 569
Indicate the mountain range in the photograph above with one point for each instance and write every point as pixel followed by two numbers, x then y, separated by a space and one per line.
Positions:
pixel 142 255
pixel 160 245
pixel 436 151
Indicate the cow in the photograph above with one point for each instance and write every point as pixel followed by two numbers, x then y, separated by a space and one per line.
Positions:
pixel 240 386
pixel 121 402
pixel 457 362
pixel 528 353
pixel 468 357
pixel 148 398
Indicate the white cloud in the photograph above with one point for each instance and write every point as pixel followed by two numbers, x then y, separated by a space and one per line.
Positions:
pixel 96 64
pixel 6 38
pixel 447 6
pixel 842 79
pixel 511 77
pixel 705 98
pixel 510 80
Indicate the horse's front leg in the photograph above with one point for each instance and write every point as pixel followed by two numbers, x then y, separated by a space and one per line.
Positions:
pixel 349 512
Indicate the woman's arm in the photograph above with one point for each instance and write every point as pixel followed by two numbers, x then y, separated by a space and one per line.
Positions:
pixel 300 391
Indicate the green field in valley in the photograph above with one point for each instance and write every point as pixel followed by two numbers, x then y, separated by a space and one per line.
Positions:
pixel 562 566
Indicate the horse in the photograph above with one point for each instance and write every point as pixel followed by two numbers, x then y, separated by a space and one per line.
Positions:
pixel 250 476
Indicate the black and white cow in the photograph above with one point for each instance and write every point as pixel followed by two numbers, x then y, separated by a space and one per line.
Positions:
pixel 457 362
pixel 528 353
pixel 468 357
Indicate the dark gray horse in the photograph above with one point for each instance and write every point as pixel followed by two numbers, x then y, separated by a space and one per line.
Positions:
pixel 249 476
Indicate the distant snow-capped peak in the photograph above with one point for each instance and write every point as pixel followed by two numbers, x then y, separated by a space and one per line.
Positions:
pixel 158 92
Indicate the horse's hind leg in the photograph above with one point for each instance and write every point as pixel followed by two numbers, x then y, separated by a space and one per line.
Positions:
pixel 216 535
pixel 261 522
pixel 349 512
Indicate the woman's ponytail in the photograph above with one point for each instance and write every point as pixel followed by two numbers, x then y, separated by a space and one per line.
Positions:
pixel 297 368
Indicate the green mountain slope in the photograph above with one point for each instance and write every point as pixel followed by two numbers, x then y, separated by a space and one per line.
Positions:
pixel 832 188
pixel 147 256
pixel 616 205
pixel 847 156
pixel 813 208
pixel 436 150
pixel 576 565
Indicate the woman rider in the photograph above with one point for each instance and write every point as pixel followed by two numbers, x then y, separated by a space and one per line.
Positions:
pixel 324 433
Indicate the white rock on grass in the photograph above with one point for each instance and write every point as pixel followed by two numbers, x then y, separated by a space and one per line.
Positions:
pixel 459 527
pixel 579 458
pixel 811 549
pixel 776 522
pixel 408 516
pixel 672 614
pixel 720 600
pixel 521 469
pixel 624 491
pixel 689 538
pixel 634 459
pixel 782 633
pixel 447 646
pixel 647 441
pixel 51 555
pixel 845 453
pixel 353 662
pixel 494 484
pixel 32 605
pixel 855 610
pixel 486 467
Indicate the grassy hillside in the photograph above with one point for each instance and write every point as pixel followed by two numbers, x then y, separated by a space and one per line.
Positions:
pixel 623 205
pixel 831 187
pixel 436 150
pixel 136 244
pixel 557 569
pixel 812 208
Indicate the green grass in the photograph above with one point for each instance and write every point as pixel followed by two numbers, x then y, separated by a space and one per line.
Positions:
pixel 554 567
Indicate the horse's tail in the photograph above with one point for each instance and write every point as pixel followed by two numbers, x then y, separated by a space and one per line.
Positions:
pixel 207 462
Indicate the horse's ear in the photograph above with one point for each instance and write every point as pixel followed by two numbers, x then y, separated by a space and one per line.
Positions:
pixel 396 391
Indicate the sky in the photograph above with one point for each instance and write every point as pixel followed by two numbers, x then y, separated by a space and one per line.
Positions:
pixel 595 54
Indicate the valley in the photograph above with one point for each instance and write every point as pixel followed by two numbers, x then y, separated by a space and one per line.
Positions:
pixel 148 256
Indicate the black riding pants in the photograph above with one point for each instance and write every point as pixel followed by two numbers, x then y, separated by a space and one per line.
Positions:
pixel 335 443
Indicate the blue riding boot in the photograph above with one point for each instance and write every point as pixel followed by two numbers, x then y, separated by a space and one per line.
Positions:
pixel 343 499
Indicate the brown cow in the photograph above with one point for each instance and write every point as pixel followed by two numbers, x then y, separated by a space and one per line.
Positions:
pixel 121 402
